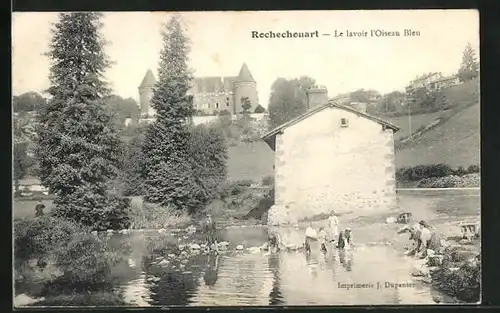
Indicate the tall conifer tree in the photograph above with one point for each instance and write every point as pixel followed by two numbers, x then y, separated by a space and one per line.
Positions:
pixel 78 148
pixel 469 67
pixel 168 175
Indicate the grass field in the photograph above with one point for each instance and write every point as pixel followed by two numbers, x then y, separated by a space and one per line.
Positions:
pixel 455 142
pixel 26 208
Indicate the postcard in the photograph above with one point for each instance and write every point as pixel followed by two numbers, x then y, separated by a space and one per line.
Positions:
pixel 260 158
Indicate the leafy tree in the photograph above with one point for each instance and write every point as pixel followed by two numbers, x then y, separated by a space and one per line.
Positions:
pixel 246 104
pixel 121 109
pixel 391 102
pixel 131 175
pixel 288 99
pixel 360 95
pixel 469 68
pixel 20 159
pixel 28 102
pixel 260 109
pixel 208 150
pixel 77 146
pixel 167 172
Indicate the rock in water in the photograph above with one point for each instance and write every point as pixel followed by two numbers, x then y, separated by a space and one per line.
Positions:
pixel 265 247
pixel 163 262
pixel 239 247
pixel 194 246
pixel 253 249
pixel 419 268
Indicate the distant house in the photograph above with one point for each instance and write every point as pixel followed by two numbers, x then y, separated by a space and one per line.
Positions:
pixel 332 157
pixel 445 82
pixel 427 80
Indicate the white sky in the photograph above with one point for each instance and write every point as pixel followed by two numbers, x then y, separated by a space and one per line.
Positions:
pixel 221 42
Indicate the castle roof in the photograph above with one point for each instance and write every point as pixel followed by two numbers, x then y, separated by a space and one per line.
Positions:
pixel 148 80
pixel 245 75
pixel 270 137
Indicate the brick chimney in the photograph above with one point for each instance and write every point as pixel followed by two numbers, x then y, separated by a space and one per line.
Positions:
pixel 359 106
pixel 316 97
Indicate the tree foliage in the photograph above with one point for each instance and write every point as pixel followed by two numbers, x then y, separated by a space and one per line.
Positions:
pixel 209 154
pixel 246 104
pixel 288 99
pixel 131 175
pixel 21 162
pixel 469 68
pixel 391 102
pixel 120 109
pixel 167 172
pixel 78 147
pixel 28 102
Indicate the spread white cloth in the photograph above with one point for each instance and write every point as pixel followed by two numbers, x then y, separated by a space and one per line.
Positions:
pixel 311 233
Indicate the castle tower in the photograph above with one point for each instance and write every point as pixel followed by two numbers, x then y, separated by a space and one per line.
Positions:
pixel 145 94
pixel 245 86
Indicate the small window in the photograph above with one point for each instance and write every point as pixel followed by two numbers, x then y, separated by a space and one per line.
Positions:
pixel 227 104
pixel 227 99
pixel 209 105
pixel 344 122
pixel 217 105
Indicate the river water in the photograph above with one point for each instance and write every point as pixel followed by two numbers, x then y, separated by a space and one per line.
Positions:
pixel 252 277
pixel 156 270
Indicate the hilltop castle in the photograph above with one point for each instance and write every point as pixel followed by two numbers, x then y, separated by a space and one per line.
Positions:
pixel 210 94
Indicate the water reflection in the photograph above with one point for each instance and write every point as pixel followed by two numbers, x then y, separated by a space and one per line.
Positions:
pixel 346 259
pixel 275 296
pixel 211 273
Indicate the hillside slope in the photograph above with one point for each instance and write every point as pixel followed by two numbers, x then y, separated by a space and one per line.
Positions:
pixel 250 161
pixel 456 142
pixel 459 97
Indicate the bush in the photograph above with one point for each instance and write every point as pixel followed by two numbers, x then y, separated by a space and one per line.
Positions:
pixel 423 171
pixel 427 175
pixel 233 188
pixel 68 258
pixel 96 211
pixel 463 283
pixel 152 216
pixel 473 169
pixel 209 153
pixel 268 181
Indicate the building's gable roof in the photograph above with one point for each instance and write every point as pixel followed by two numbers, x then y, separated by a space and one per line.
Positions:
pixel 269 137
pixel 148 80
pixel 445 78
pixel 245 75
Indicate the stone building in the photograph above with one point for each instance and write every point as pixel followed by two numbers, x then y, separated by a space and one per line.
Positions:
pixel 211 94
pixel 332 157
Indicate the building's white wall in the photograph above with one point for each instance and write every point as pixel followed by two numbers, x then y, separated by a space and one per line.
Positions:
pixel 322 166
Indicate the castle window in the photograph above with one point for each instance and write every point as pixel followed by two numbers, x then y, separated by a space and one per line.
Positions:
pixel 227 104
pixel 209 105
pixel 227 98
pixel 217 105
pixel 344 122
